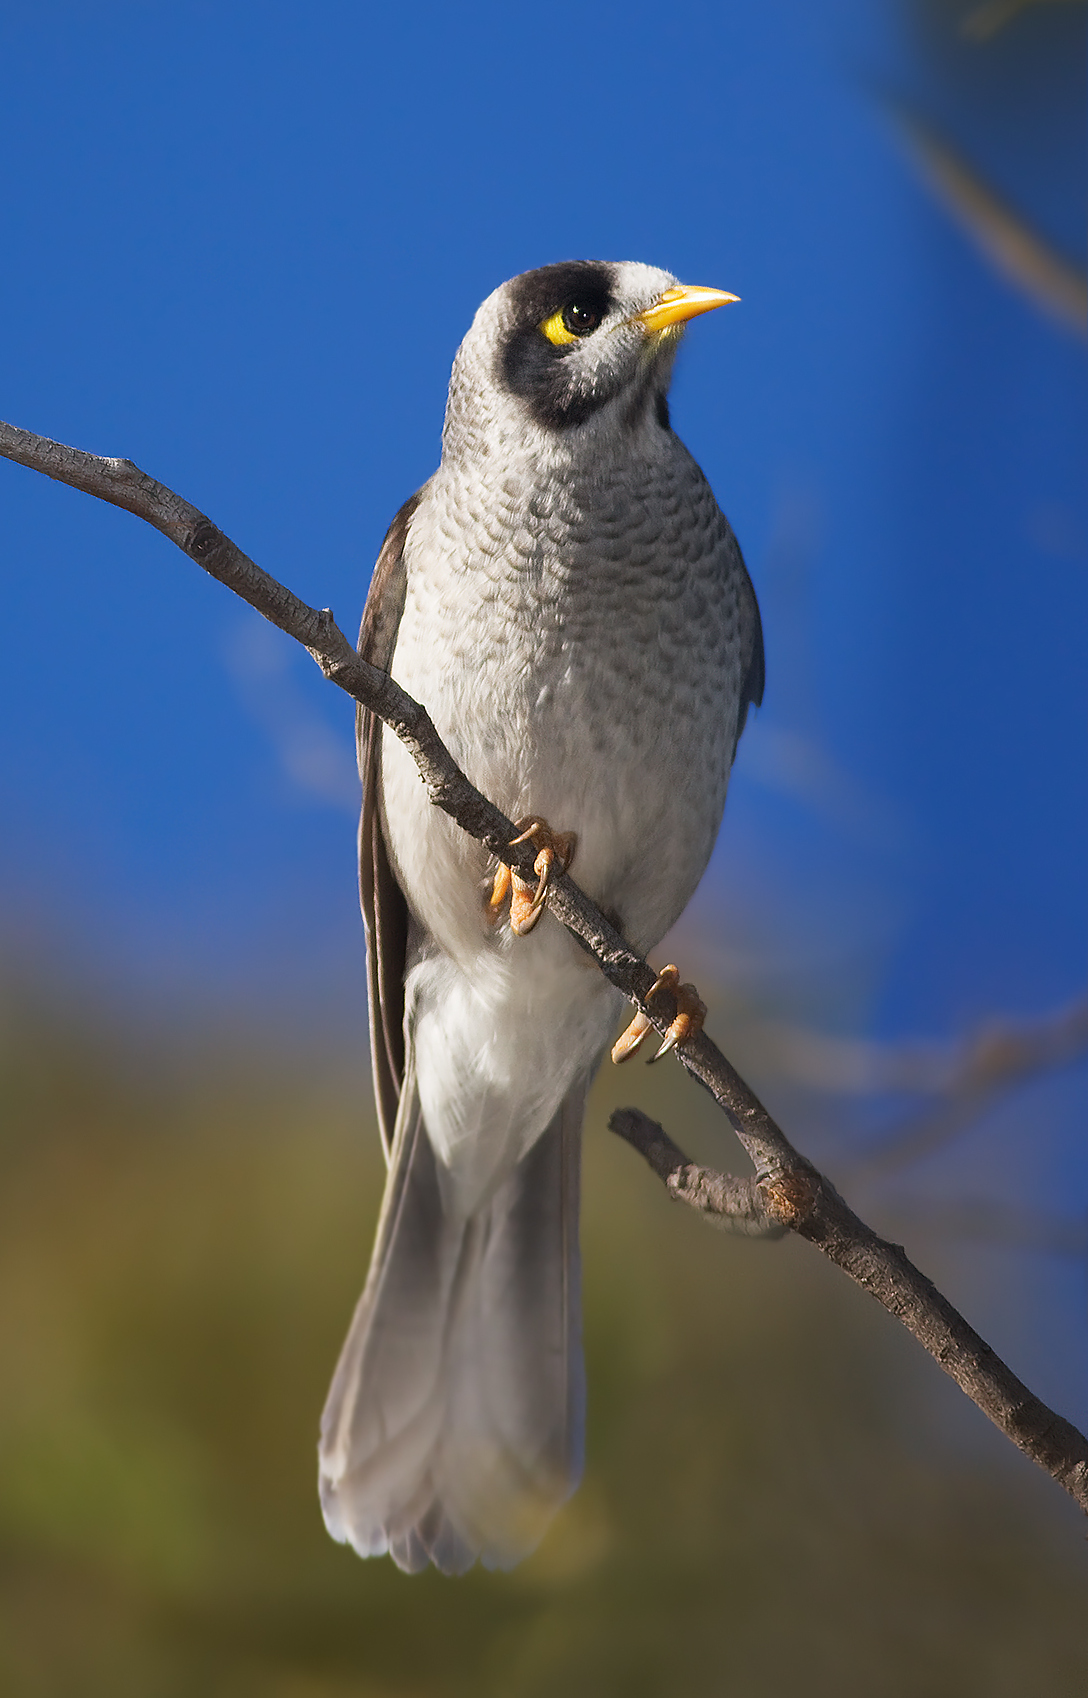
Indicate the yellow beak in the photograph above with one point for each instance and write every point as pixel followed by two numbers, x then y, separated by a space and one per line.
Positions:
pixel 682 302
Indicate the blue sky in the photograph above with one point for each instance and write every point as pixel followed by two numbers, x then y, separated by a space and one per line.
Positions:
pixel 241 245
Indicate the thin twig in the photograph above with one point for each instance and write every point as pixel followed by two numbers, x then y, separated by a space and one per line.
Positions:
pixel 794 1194
pixel 724 1200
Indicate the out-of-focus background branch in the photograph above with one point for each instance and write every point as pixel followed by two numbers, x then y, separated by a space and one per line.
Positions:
pixel 979 23
pixel 1004 238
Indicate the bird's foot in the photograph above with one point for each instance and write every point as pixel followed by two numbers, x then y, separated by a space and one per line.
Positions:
pixel 555 852
pixel 688 1019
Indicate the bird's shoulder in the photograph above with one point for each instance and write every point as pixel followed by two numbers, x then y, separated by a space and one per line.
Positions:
pixel 388 582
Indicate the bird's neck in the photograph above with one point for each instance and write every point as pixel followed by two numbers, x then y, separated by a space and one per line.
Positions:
pixel 502 442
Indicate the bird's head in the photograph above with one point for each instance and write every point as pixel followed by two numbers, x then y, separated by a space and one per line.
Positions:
pixel 571 346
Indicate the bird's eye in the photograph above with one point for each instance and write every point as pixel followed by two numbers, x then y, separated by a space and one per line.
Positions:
pixel 577 318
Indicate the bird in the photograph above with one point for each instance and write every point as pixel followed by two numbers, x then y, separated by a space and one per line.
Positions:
pixel 568 601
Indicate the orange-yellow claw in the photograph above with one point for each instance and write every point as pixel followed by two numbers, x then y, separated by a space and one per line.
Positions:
pixel 525 910
pixel 500 888
pixel 631 1038
pixel 688 1020
pixel 526 907
pixel 689 1017
pixel 555 849
pixel 667 979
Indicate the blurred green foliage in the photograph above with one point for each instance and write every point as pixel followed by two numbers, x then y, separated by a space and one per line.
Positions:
pixel 768 1503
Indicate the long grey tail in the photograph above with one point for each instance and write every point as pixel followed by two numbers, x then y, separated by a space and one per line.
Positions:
pixel 454 1425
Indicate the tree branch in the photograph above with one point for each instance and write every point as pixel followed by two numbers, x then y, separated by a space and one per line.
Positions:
pixel 725 1201
pixel 788 1192
pixel 806 1203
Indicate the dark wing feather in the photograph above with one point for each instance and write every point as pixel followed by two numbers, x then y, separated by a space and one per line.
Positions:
pixel 756 676
pixel 385 912
pixel 755 671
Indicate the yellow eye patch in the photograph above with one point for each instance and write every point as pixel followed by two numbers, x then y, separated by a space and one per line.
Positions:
pixel 556 331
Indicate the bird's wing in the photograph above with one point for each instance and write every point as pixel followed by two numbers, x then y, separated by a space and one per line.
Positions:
pixel 385 912
pixel 755 666
pixel 756 675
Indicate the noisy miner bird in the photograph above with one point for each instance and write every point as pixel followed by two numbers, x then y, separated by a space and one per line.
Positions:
pixel 570 604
